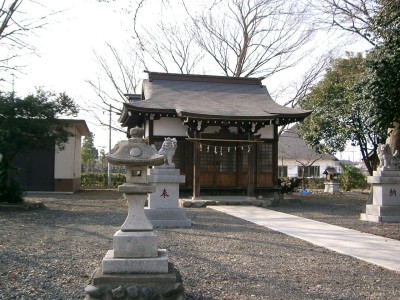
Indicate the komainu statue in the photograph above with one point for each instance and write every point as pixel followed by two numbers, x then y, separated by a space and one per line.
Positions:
pixel 168 150
pixel 387 161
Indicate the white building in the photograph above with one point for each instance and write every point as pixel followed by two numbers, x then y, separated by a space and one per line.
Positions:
pixel 54 170
pixel 294 154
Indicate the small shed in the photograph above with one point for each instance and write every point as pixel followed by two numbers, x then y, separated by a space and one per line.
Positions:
pixel 331 175
pixel 54 170
pixel 331 180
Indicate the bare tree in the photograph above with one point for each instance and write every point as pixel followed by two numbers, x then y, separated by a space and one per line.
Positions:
pixel 240 38
pixel 16 25
pixel 118 77
pixel 356 17
pixel 168 46
pixel 350 16
pixel 253 37
pixel 171 48
pixel 296 91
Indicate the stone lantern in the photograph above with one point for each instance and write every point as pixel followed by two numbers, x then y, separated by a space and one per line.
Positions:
pixel 135 265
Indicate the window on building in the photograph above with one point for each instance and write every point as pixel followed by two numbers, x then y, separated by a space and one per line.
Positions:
pixel 309 171
pixel 211 160
pixel 264 158
pixel 282 171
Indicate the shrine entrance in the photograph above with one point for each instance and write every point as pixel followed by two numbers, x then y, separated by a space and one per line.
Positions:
pixel 241 165
pixel 223 167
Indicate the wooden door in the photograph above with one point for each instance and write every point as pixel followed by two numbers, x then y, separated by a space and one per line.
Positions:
pixel 218 168
pixel 35 170
pixel 264 176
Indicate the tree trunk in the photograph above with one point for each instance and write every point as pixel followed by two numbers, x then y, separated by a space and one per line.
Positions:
pixel 303 183
pixel 5 173
pixel 5 179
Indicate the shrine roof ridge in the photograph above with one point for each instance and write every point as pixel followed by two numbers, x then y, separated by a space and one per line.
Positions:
pixel 206 97
pixel 204 78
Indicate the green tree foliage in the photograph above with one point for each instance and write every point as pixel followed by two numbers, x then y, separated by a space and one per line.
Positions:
pixel 103 163
pixel 339 111
pixel 89 153
pixel 352 178
pixel 26 124
pixel 368 92
pixel 381 86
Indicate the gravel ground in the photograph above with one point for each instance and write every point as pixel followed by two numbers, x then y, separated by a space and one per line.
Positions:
pixel 51 253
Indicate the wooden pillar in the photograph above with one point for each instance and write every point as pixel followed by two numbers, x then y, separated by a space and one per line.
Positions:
pixel 196 170
pixel 250 171
pixel 151 133
pixel 239 169
pixel 275 158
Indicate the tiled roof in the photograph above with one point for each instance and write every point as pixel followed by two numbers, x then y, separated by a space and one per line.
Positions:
pixel 215 97
pixel 291 146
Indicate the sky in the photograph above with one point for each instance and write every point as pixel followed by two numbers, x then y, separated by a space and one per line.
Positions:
pixel 64 60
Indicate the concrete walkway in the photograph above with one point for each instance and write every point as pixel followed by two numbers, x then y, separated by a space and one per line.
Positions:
pixel 374 249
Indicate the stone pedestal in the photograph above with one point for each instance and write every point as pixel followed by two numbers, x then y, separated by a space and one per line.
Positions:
pixel 160 286
pixel 386 197
pixel 331 187
pixel 163 205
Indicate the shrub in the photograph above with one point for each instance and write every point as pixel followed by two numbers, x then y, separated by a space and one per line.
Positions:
pixel 10 190
pixel 315 183
pixel 289 184
pixel 352 178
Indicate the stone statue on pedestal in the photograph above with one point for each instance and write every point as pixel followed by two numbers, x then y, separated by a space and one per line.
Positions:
pixel 163 205
pixel 387 161
pixel 168 150
pixel 385 182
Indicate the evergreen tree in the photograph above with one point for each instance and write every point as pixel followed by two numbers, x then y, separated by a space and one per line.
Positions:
pixel 89 153
pixel 26 124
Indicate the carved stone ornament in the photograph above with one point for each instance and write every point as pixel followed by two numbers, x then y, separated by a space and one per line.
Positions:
pixel 168 149
pixel 387 161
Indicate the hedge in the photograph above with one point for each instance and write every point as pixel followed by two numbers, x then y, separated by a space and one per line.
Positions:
pixel 101 179
pixel 291 184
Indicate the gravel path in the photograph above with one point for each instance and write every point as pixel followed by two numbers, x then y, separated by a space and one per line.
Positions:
pixel 51 253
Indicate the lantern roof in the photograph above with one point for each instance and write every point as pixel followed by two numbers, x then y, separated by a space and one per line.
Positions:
pixel 135 152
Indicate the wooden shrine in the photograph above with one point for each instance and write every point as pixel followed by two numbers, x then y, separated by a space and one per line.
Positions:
pixel 226 128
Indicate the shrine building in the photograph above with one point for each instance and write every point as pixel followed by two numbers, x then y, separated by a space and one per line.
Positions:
pixel 226 128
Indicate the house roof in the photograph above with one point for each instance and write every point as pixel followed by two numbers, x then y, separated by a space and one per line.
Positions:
pixel 291 146
pixel 80 125
pixel 209 97
pixel 331 171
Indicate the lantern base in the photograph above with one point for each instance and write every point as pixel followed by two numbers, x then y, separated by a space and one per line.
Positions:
pixel 113 265
pixel 135 244
pixel 136 286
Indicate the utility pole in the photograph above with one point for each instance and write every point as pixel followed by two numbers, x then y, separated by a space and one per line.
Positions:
pixel 109 148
